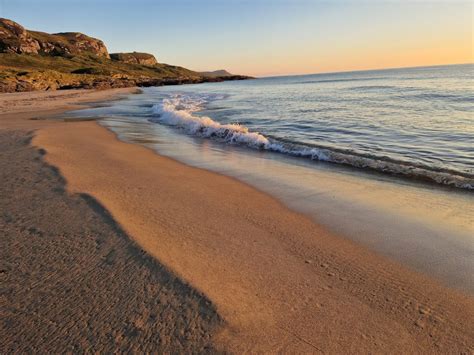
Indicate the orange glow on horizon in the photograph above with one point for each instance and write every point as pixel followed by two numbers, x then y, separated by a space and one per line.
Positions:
pixel 445 53
pixel 398 45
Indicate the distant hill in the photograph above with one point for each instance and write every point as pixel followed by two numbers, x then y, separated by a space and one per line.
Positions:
pixel 32 60
pixel 216 73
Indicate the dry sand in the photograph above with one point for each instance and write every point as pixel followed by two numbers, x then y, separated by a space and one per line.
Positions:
pixel 278 281
pixel 71 279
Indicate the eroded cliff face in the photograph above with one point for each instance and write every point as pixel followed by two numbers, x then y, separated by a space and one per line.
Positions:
pixel 14 38
pixel 33 60
pixel 135 58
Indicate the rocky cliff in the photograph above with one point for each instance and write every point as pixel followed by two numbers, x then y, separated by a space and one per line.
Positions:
pixel 14 38
pixel 32 60
pixel 135 58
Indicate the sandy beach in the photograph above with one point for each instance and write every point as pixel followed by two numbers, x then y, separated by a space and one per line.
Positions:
pixel 108 246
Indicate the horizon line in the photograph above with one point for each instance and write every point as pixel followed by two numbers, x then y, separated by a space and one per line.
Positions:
pixel 361 70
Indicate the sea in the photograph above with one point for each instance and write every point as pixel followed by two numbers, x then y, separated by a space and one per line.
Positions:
pixel 382 157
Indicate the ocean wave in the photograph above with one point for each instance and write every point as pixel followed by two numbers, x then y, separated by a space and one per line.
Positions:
pixel 338 80
pixel 379 164
pixel 375 87
pixel 441 97
pixel 179 111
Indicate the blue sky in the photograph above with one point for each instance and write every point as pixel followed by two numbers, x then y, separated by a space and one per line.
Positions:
pixel 264 37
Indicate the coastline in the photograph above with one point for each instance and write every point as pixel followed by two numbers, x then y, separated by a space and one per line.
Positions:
pixel 424 227
pixel 280 282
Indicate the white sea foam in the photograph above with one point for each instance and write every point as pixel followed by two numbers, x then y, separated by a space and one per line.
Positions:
pixel 179 110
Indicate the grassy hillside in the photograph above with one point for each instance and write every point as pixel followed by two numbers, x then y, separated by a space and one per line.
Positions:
pixel 68 65
pixel 33 60
pixel 24 72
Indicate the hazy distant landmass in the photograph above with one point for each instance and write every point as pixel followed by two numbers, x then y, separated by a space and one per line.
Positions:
pixel 33 60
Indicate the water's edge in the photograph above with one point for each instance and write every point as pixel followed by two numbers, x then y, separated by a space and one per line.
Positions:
pixel 427 227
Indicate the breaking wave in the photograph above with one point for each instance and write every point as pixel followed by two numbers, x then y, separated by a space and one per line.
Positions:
pixel 179 111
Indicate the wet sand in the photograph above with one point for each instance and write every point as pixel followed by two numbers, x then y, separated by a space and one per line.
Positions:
pixel 278 281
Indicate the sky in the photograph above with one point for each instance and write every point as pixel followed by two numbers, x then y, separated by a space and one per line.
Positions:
pixel 266 37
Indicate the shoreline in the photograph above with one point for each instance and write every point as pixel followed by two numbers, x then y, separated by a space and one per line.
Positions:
pixel 422 227
pixel 281 282
pixel 120 83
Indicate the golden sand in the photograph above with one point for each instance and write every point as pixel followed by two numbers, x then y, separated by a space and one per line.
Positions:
pixel 279 281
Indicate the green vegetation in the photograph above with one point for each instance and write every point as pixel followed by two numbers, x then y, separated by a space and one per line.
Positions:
pixel 24 72
pixel 93 71
pixel 134 57
pixel 35 62
pixel 46 37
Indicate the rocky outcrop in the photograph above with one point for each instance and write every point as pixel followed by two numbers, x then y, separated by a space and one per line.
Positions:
pixel 57 81
pixel 80 43
pixel 135 58
pixel 14 38
pixel 215 73
pixel 32 60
